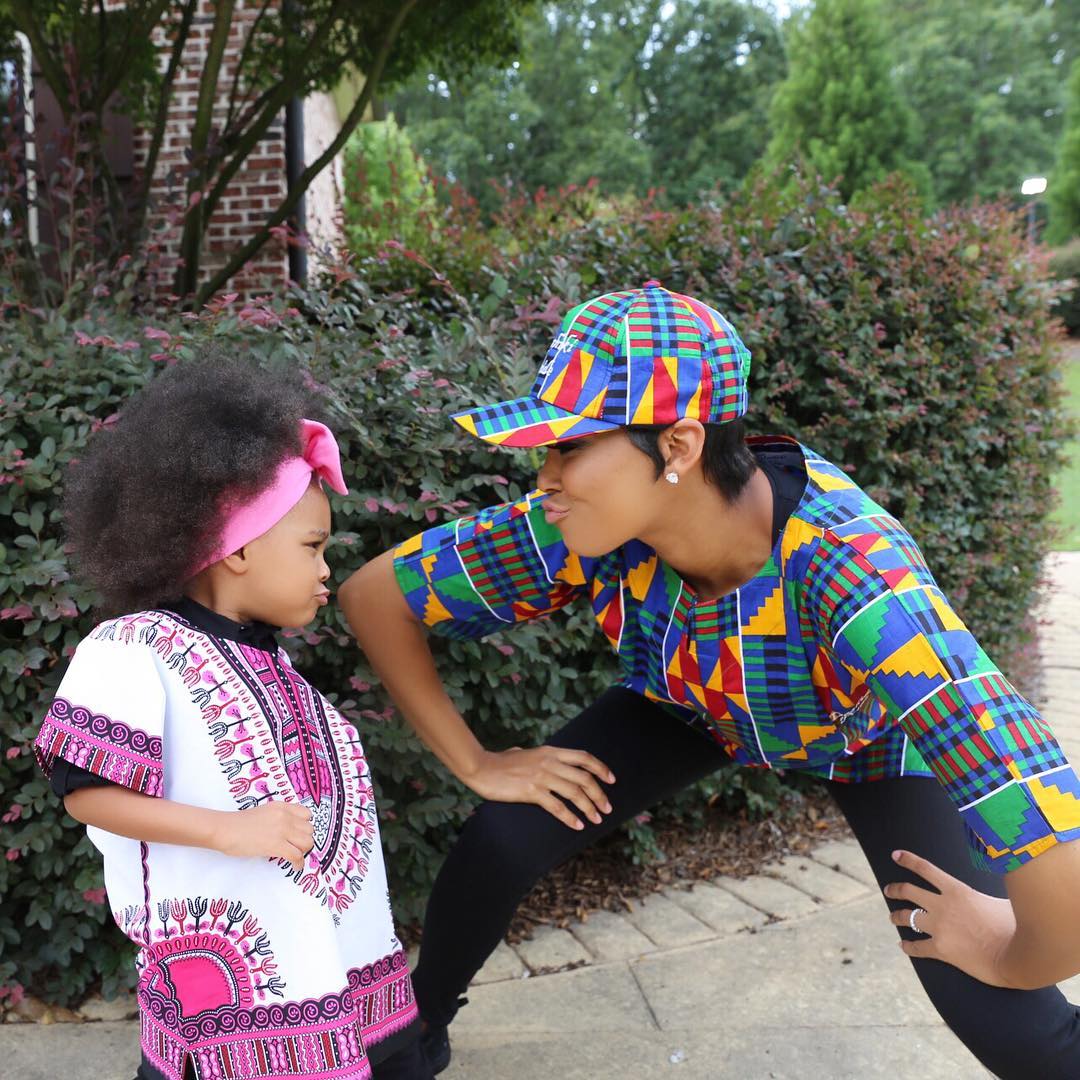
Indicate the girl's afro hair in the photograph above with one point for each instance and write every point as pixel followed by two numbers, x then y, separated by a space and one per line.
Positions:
pixel 143 505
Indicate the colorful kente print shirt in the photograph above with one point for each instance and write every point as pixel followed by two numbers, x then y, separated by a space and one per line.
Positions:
pixel 247 967
pixel 842 657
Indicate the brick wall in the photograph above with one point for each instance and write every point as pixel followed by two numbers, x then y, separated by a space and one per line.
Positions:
pixel 257 188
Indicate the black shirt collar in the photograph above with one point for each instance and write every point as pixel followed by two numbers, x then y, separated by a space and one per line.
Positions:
pixel 258 635
pixel 785 469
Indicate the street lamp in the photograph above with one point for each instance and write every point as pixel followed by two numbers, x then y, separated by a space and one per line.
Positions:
pixel 1032 186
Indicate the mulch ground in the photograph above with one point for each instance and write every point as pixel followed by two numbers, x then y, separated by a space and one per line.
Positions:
pixel 604 877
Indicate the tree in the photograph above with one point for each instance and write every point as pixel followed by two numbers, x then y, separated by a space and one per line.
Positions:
pixel 1064 189
pixel 838 109
pixel 986 81
pixel 637 94
pixel 88 57
pixel 565 111
pixel 472 133
pixel 712 68
pixel 1064 36
pixel 387 192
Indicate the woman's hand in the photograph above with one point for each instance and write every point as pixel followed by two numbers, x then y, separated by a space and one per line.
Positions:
pixel 960 926
pixel 276 830
pixel 540 776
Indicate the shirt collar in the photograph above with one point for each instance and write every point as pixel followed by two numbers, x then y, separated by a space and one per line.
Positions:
pixel 259 635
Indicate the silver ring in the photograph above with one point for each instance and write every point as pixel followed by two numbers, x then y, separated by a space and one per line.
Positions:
pixel 911 919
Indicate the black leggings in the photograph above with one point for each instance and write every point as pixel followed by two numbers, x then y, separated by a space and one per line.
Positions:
pixel 505 848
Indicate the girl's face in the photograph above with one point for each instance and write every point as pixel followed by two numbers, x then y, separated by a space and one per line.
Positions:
pixel 602 492
pixel 285 580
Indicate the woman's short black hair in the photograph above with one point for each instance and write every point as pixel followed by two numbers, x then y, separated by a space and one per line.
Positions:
pixel 143 506
pixel 725 458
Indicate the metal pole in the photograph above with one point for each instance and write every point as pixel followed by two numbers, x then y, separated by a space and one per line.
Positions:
pixel 294 166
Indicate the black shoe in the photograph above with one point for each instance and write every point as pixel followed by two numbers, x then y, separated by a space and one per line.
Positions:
pixel 408 1063
pixel 435 1043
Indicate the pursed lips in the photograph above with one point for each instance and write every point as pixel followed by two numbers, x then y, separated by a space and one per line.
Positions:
pixel 554 513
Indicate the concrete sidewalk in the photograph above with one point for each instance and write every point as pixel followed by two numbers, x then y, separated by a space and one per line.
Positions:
pixel 789 974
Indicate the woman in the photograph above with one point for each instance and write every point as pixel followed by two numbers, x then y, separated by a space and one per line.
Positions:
pixel 755 593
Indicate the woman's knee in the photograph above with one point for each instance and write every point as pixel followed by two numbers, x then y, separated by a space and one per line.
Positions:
pixel 516 843
pixel 1016 1034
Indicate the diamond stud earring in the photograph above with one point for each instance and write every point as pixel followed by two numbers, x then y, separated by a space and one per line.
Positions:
pixel 672 477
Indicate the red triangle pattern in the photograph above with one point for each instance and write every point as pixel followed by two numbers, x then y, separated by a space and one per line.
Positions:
pixel 611 618
pixel 824 661
pixel 896 575
pixel 705 401
pixel 535 435
pixel 665 392
pixel 570 388
pixel 863 542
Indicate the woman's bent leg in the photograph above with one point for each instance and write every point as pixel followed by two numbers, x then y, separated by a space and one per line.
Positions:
pixel 505 848
pixel 1016 1034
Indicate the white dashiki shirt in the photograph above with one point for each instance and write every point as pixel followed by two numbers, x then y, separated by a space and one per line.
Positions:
pixel 247 967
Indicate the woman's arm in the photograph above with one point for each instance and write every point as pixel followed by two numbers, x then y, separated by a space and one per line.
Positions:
pixel 1026 942
pixel 396 644
pixel 276 830
pixel 1045 895
pixel 995 758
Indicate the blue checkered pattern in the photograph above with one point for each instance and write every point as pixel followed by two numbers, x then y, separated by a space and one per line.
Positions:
pixel 637 357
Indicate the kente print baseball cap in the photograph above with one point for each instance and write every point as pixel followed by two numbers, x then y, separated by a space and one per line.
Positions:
pixel 640 356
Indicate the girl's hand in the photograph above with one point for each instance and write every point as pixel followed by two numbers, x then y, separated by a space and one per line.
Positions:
pixel 540 776
pixel 276 830
pixel 958 925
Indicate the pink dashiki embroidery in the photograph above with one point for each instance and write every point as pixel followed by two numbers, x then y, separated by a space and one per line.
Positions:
pixel 247 967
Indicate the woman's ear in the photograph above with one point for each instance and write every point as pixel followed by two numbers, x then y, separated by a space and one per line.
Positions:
pixel 681 446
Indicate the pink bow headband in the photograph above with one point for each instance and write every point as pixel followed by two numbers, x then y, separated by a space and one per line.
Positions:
pixel 319 457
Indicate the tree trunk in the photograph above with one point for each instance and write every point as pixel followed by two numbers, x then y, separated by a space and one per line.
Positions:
pixel 187 273
pixel 255 244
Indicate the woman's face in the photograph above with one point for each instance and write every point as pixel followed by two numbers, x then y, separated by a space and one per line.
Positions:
pixel 602 490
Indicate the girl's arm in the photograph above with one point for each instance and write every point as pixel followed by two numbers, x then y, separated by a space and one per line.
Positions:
pixel 275 830
pixel 396 644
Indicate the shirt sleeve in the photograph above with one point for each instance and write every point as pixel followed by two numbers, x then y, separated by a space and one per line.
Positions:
pixel 66 778
pixel 108 716
pixel 998 761
pixel 478 574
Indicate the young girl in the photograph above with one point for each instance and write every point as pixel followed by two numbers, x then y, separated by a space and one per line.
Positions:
pixel 231 802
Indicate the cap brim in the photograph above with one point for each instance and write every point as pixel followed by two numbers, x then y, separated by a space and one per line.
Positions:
pixel 527 421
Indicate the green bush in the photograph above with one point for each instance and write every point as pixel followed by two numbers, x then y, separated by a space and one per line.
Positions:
pixel 916 353
pixel 405 467
pixel 1065 266
pixel 387 191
